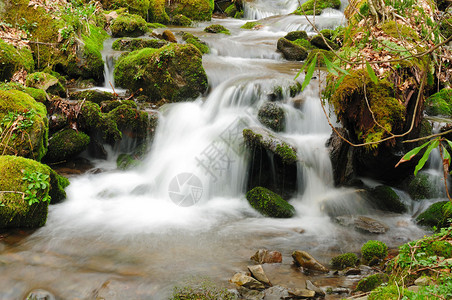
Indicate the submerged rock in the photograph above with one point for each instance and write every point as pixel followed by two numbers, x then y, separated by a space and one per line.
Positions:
pixel 290 50
pixel 362 223
pixel 305 260
pixel 272 115
pixel 269 204
pixel 264 256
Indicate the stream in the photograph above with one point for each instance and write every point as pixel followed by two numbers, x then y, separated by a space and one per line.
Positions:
pixel 119 235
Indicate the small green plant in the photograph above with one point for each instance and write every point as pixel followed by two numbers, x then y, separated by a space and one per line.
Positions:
pixel 37 182
pixel 204 290
pixel 12 124
pixel 374 249
pixel 344 260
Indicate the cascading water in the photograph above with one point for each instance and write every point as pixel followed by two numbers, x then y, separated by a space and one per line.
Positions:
pixel 121 234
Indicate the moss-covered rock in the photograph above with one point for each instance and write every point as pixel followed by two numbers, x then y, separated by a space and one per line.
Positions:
pixel 13 60
pixel 290 50
pixel 321 55
pixel 195 41
pixel 272 115
pixel 385 198
pixel 371 282
pixel 65 145
pixel 29 138
pixel 173 72
pixel 139 7
pixel 231 10
pixel 307 7
pixel 181 20
pixel 57 185
pixel 136 44
pixel 436 215
pixel 439 103
pixel 197 10
pixel 92 95
pixel 397 30
pixel 446 28
pixel 126 161
pixel 15 211
pixel 250 25
pixel 422 187
pixel 46 82
pixel 344 261
pixel 157 12
pixel 128 25
pixel 305 44
pixel 216 28
pixel 130 121
pixel 319 42
pixel 374 249
pixel 269 204
pixel 108 106
pixel 38 94
pixel 296 35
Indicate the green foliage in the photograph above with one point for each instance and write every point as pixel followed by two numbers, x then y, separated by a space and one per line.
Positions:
pixel 440 103
pixel 344 261
pixel 13 59
pixel 269 203
pixel 374 249
pixel 37 183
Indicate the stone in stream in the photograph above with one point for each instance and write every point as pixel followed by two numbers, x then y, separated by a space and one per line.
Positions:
pixel 362 223
pixel 318 291
pixel 276 293
pixel 246 281
pixel 248 294
pixel 258 272
pixel 301 293
pixel 272 116
pixel 264 256
pixel 291 51
pixel 305 260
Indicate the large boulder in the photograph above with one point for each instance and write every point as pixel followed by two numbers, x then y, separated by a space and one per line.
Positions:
pixel 290 50
pixel 65 145
pixel 173 72
pixel 269 204
pixel 383 197
pixel 131 121
pixel 341 156
pixel 24 124
pixel 436 215
pixel 128 25
pixel 22 205
pixel 14 59
pixel 273 162
pixel 197 10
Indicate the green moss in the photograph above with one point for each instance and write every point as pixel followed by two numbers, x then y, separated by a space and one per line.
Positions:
pixel 139 7
pixel 287 153
pixel 128 25
pixel 319 42
pixel 296 35
pixel 65 145
pixel 173 72
pixel 436 215
pixel 46 82
pixel 308 6
pixel 15 211
pixel 239 14
pixel 108 106
pixel 327 33
pixel 57 185
pixel 181 20
pixel 440 103
pixel 38 94
pixel 250 25
pixel 269 204
pixel 371 282
pixel 422 187
pixel 446 28
pixel 231 10
pixel 13 60
pixel 130 121
pixel 136 44
pixel 126 161
pixel 321 55
pixel 272 116
pixel 201 289
pixel 195 41
pixel 305 44
pixel 398 31
pixel 216 28
pixel 344 261
pixel 92 95
pixel 374 249
pixel 32 142
pixel 198 10
pixel 157 12
pixel 385 198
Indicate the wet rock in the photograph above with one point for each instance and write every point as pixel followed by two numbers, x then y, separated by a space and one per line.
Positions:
pixel 216 28
pixel 128 25
pixel 436 215
pixel 324 44
pixel 338 290
pixel 276 293
pixel 248 294
pixel 181 20
pixel 92 95
pixel 423 187
pixel 371 282
pixel 362 223
pixel 264 256
pixel 46 82
pixel 305 260
pixel 57 121
pixel 383 197
pixel 195 41
pixel 296 35
pixel 258 272
pixel 246 281
pixel 291 51
pixel 130 44
pixel 65 145
pixel 352 271
pixel 272 115
pixel 108 106
pixel 168 35
pixel 301 293
pixel 269 204
pixel 318 291
pixel 40 294
pixel 341 155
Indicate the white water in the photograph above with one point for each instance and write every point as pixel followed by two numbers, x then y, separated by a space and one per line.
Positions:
pixel 120 232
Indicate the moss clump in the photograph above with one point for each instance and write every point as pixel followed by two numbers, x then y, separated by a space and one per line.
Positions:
pixel 130 121
pixel 216 28
pixel 92 95
pixel 371 282
pixel 440 103
pixel 319 42
pixel 398 31
pixel 15 211
pixel 250 25
pixel 321 55
pixel 374 249
pixel 46 82
pixel 231 10
pixel 344 261
pixel 126 161
pixel 272 115
pixel 13 60
pixel 446 28
pixel 30 139
pixel 157 12
pixel 195 41
pixel 38 94
pixel 296 35
pixel 305 44
pixel 65 145
pixel 197 10
pixel 385 198
pixel 422 187
pixel 286 152
pixel 290 50
pixel 57 185
pixel 108 106
pixel 307 8
pixel 269 204
pixel 202 289
pixel 136 44
pixel 128 25
pixel 436 215
pixel 139 7
pixel 173 72
pixel 181 20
